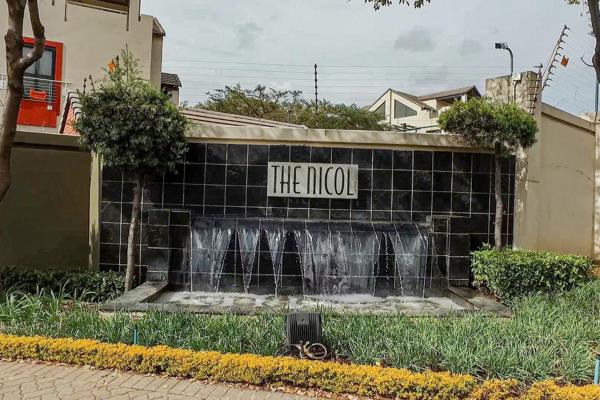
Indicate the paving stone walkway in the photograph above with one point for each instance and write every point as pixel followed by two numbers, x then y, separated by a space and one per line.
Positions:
pixel 23 380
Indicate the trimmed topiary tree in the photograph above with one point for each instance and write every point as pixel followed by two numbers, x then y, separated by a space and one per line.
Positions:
pixel 499 127
pixel 134 128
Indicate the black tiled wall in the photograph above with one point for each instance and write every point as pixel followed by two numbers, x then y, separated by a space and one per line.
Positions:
pixel 394 185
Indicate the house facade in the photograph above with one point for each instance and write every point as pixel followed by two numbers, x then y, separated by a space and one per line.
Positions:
pixel 411 113
pixel 83 36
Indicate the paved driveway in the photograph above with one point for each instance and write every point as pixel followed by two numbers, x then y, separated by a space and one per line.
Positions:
pixel 22 380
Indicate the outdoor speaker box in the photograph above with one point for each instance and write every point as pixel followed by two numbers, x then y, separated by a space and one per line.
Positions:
pixel 302 328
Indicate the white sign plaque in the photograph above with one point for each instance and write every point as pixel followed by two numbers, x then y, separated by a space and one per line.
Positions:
pixel 326 181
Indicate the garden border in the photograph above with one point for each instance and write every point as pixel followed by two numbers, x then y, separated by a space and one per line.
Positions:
pixel 261 370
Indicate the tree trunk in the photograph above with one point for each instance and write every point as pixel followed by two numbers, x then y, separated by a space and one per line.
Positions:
pixel 499 203
pixel 594 10
pixel 133 228
pixel 16 64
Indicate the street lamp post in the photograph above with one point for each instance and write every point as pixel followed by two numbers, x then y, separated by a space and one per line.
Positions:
pixel 504 46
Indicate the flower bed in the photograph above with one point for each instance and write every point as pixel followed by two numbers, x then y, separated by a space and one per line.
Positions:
pixel 260 370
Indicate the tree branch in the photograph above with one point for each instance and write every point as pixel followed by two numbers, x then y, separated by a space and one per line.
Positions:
pixel 39 37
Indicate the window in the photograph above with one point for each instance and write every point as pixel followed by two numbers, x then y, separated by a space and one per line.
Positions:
pixel 44 67
pixel 381 110
pixel 402 110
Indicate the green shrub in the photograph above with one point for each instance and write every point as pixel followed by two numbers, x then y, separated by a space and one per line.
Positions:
pixel 88 286
pixel 510 274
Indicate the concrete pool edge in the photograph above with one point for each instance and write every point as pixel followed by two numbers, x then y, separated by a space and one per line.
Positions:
pixel 142 299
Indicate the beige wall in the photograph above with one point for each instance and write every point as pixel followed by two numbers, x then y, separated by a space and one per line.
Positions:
pixel 556 205
pixel 44 219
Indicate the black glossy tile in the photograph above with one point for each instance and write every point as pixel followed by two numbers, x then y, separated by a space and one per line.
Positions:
pixel 152 193
pixel 461 182
pixel 461 162
pixel 382 199
pixel 235 196
pixel 110 233
pixel 236 175
pixel 256 197
pixel 340 204
pixel 110 212
pixel 442 161
pixel 111 174
pixel 194 195
pixel 480 203
pixel 111 191
pixel 177 175
pixel 194 173
pixel 423 181
pixel 257 175
pixel 381 215
pixel 237 154
pixel 320 155
pixel 258 154
pixel 216 153
pixel 442 181
pixel 482 163
pixel 196 153
pixel 442 202
pixel 279 153
pixel 382 180
pixel 363 158
pixel 481 183
pixel 363 202
pixel 300 154
pixel 298 202
pixel 461 202
pixel 342 156
pixel 402 201
pixel 214 195
pixel 403 159
pixel 422 201
pixel 173 194
pixel 215 174
pixel 365 178
pixel 423 160
pixel 402 180
pixel 383 159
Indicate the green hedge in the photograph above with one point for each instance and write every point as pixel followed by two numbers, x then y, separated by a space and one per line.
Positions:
pixel 510 274
pixel 87 286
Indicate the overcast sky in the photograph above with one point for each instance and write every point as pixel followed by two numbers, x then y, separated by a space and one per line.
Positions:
pixel 360 52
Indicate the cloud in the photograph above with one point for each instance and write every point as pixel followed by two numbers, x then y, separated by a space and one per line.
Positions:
pixel 417 39
pixel 247 34
pixel 470 47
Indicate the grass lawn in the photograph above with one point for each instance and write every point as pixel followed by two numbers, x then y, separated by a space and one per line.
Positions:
pixel 548 337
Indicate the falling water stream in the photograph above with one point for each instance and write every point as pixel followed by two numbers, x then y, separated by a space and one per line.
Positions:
pixel 331 258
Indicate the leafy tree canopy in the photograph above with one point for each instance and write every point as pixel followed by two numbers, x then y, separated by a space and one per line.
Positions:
pixel 501 127
pixel 133 125
pixel 290 107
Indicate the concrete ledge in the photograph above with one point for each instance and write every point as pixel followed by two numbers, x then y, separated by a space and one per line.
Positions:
pixel 326 137
pixel 479 302
pixel 131 300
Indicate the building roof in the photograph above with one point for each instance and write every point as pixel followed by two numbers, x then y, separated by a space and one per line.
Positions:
pixel 451 93
pixel 205 117
pixel 157 28
pixel 167 79
pixel 414 99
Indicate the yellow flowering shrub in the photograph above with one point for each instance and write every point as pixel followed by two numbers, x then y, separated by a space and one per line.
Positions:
pixel 366 380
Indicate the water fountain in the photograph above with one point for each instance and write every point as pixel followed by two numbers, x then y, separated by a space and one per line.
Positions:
pixel 328 258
